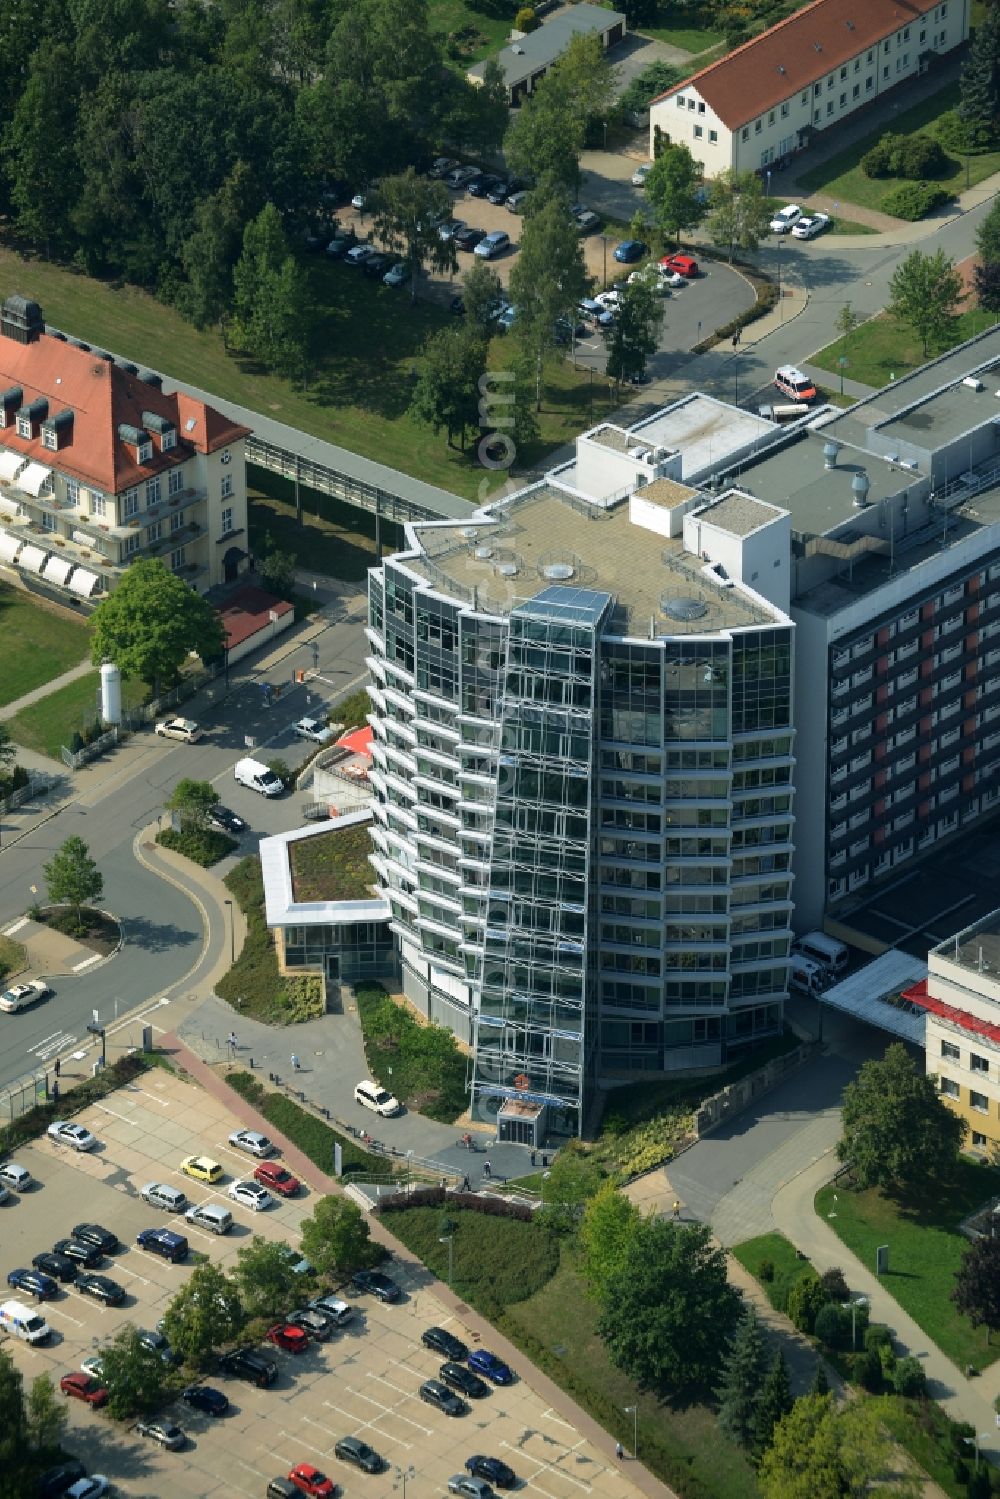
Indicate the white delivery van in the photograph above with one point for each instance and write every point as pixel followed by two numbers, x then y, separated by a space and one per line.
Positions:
pixel 807 976
pixel 823 949
pixel 255 774
pixel 21 1322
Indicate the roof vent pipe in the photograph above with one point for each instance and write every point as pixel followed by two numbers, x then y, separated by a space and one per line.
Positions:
pixel 830 451
pixel 860 486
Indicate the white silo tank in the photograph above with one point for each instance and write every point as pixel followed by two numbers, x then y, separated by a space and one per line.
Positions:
pixel 111 693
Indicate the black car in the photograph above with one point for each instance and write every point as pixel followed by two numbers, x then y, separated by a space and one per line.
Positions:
pixel 59 1265
pixel 483 186
pixel 377 265
pixel 499 192
pixel 101 1287
pixel 380 1285
pixel 54 1483
pixel 461 1378
pixel 157 1343
pixel 492 1469
pixel 101 1238
pixel 34 1283
pixel 247 1363
pixel 202 1397
pixel 84 1254
pixel 439 1395
pixel 220 818
pixel 468 239
pixel 311 1322
pixel 444 1342
pixel 354 1450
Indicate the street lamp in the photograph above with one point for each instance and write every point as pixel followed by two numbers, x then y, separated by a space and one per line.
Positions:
pixel 842 365
pixel 604 241
pixel 854 1303
pixel 633 1411
pixel 232 932
pixel 402 1474
pixel 449 1239
pixel 769 182
pixel 980 1436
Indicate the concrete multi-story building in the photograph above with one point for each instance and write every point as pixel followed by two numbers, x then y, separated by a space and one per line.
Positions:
pixel 961 999
pixel 769 98
pixel 99 466
pixel 582 768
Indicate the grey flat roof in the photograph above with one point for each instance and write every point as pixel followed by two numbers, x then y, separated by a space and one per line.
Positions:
pixel 704 430
pixel 539 49
pixel 864 994
pixel 795 477
pixel 941 418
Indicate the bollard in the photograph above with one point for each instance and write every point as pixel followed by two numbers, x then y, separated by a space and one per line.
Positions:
pixel 250 1060
pixel 545 1160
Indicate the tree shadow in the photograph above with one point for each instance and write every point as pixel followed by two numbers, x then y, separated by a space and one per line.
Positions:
pixel 157 936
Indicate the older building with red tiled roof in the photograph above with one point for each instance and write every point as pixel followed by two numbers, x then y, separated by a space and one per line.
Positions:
pixel 769 98
pixel 99 465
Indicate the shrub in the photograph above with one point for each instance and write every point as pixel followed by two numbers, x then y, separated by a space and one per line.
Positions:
pixel 877 1336
pixel 765 1270
pixel 834 1284
pixel 914 200
pixel 832 1326
pixel 920 156
pixel 879 161
pixel 75 742
pixel 805 1300
pixel 427 1066
pixel 37 1119
pixel 247 1086
pixel 201 845
pixel 868 1372
pixel 960 1470
pixel 282 770
pixel 955 134
pixel 526 20
pixel 909 1378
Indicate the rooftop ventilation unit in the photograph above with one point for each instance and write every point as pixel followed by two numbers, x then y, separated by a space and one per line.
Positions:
pixel 684 609
pixel 470 533
pixel 558 572
pixel 483 554
pixel 781 67
pixel 860 486
pixel 150 377
pixel 507 570
pixel 21 319
pixel 830 451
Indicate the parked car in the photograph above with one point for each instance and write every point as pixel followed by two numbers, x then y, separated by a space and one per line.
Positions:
pixel 397 275
pixel 202 1168
pixel 310 1480
pixel 785 218
pixel 441 166
pixel 17 1178
pixel 157 1343
pixel 54 1483
pixel 101 1287
pixel 516 201
pixel 493 1469
pixel 462 1379
pixel 165 1243
pixel 247 1363
pixel 493 244
pixel 641 173
pixel 87 1255
pixel 22 995
pixel 469 1487
pixel 288 1336
pixel 442 1341
pixel 251 1195
pixel 58 1265
pixel 587 221
pixel 481 187
pixel 312 1323
pixel 43 1287
pixel 80 1386
pixel 808 227
pixel 685 264
pixel 102 1238
pixel 485 1362
pixel 468 238
pixel 339 246
pixel 630 250
pixel 73 1135
pixel 364 199
pixel 437 1394
pixel 336 1312
pixel 251 1140
pixel 377 265
pixel 371 1096
pixel 380 1286
pixel 595 313
pixel 359 254
pixel 450 228
pixel 506 318
pixel 317 731
pixel 460 177
pixel 93 1365
pixel 202 1397
pixel 184 729
pixel 277 1178
pixel 164 1433
pixel 794 384
pixel 354 1450
pixel 222 820
pixel 91 1487
pixel 673 279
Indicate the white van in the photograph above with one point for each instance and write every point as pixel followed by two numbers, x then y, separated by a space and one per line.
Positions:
pixel 833 955
pixel 255 774
pixel 807 976
pixel 21 1322
pixel 218 1220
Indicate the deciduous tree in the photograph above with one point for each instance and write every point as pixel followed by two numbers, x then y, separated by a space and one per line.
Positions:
pixel 46 1414
pixel 192 801
pixel 205 1313
pixel 40 149
pixel 545 136
pixel 977 1285
pixel 267 1282
pixel 988 235
pixel 13 1426
pixel 447 391
pixel 822 1452
pixel 672 188
pixel 925 292
pixel 483 295
pixel 72 876
pixel 987 283
pixel 898 1134
pixel 134 1374
pixel 152 622
pixel 635 332
pixel 609 1221
pixel 738 216
pixel 550 277
pixel 740 1389
pixel 336 1237
pixel 408 210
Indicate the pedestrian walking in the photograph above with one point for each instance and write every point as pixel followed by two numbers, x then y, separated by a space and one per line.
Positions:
pixel 233 1043
pixel 467 1141
pixel 466 1184
pixel 58 1066
pixel 676 1209
pixel 487 1169
pixel 55 1091
pixel 619 1451
pixel 295 1062
pixel 532 1157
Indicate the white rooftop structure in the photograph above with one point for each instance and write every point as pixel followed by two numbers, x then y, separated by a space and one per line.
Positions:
pixel 281 907
pixel 864 995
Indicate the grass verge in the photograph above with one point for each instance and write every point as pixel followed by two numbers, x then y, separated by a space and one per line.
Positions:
pixel 882 348
pixel 13 957
pixel 333 865
pixel 48 724
pixel 428 1070
pixel 693 39
pixel 200 845
pixel 925 1251
pixel 253 986
pixel 313 1136
pixel 39 644
pixel 786 1265
pixel 486 29
pixel 496 1261
pixel 842 178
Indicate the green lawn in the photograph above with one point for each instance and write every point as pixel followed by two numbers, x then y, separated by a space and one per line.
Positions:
pixel 47 725
pixel 38 643
pixel 333 865
pixel 693 39
pixel 332 539
pixel 371 338
pixel 883 347
pixel 491 21
pixel 495 1261
pixel 925 1250
pixel 842 178
pixel 683 1446
pixel 782 1255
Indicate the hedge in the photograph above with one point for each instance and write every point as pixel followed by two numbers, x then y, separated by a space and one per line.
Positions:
pixel 426 1197
pixel 767 297
pixel 314 1137
pixel 38 1119
pixel 201 845
pixel 915 200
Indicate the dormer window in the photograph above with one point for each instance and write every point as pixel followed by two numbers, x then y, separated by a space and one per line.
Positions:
pixel 168 440
pixel 58 432
pixel 138 439
pixel 144 451
pixel 162 427
pixel 30 418
pixel 10 404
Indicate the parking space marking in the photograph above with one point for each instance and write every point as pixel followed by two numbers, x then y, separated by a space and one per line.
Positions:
pixel 251 1469
pixel 57 1311
pixel 135 1123
pixel 163 1102
pixel 554 1468
pixel 134 1274
pixel 549 1415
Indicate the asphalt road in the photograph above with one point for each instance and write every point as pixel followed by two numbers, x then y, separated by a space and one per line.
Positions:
pixel 163 928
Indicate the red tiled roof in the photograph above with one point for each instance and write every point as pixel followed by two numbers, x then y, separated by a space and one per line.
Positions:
pixel 358 741
pixel 797 53
pixel 918 995
pixel 102 397
pixel 247 611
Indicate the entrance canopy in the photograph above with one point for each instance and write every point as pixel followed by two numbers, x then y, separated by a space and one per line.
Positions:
pixel 868 995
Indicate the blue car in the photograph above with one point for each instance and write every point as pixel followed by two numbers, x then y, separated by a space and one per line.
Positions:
pixel 630 250
pixel 202 1397
pixel 487 1363
pixel 37 1284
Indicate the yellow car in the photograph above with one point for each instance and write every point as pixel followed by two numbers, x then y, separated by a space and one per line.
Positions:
pixel 201 1168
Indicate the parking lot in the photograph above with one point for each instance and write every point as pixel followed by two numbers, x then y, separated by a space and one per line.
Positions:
pixel 364 1380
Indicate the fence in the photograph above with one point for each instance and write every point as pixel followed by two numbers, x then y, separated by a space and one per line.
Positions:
pixel 136 718
pixel 37 785
pixel 22 1095
pixel 382 503
pixel 740 1095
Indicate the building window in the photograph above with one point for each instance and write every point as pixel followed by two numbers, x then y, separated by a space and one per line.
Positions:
pixel 979 1102
pixel 885 73
pixel 949 1088
pixel 758 126
pixel 130 503
pixel 701 107
pixel 950 1050
pixel 131 545
pixel 152 491
pixel 770 118
pixel 829 83
pixel 978 1063
pixel 227 479
pixel 869 84
pixel 177 520
pixel 175 481
pixel 857 65
pixel 690 104
pixel 843 101
pixel 804 99
pixel 680 101
pixel 177 559
pixel 784 111
pixel 168 440
pixel 698 133
pixel 923 35
pixel 979 1141
pixel 817 116
pixel 885 46
pixel 817 90
pixel 72 492
pixel 154 531
pixel 856 91
pixel 98 505
pixel 48 522
pixel 906 59
pixel 713 135
pixel 745 133
pixel 906 33
pixel 227 520
pixel 829 107
pixel 843 74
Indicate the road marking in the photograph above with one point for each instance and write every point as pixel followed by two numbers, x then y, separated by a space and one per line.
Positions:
pixel 9 931
pixel 550 1415
pixel 163 1102
pixel 87 962
pixel 57 1311
pixel 55 1038
pixel 123 1117
pixel 45 1049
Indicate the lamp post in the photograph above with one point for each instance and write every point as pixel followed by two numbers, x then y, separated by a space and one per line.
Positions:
pixel 769 182
pixel 854 1303
pixel 402 1474
pixel 842 365
pixel 232 932
pixel 604 241
pixel 980 1436
pixel 449 1239
pixel 633 1411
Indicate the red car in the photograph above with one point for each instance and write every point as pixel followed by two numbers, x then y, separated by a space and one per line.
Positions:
pixel 277 1178
pixel 685 264
pixel 309 1480
pixel 82 1387
pixel 291 1339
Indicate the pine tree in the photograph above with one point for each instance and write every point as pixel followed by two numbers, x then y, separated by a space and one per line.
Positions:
pixel 980 104
pixel 775 1401
pixel 742 1376
pixel 820 1384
